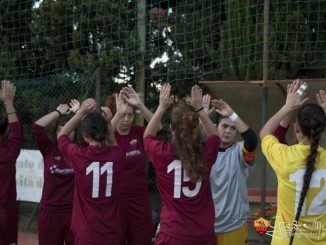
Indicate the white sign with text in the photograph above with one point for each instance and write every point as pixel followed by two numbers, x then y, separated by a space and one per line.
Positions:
pixel 29 176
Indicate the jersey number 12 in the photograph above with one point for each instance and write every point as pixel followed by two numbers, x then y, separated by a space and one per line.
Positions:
pixel 317 204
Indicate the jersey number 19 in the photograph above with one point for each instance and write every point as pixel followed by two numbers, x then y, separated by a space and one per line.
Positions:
pixel 176 166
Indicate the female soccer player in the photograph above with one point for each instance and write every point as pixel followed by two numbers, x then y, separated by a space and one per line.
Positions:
pixel 97 166
pixel 301 172
pixel 182 171
pixel 56 202
pixel 11 137
pixel 136 213
pixel 229 174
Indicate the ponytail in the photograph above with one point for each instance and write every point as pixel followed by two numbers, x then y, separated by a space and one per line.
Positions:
pixel 311 119
pixel 186 131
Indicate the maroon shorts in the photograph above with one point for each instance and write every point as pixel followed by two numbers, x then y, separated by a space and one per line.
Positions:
pixel 54 227
pixel 9 225
pixel 136 221
pixel 164 239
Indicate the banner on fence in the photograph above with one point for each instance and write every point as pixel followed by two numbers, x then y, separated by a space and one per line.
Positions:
pixel 29 176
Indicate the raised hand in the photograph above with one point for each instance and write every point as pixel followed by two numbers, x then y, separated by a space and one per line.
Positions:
pixel 206 103
pixel 74 105
pixel 63 109
pixel 120 102
pixel 321 99
pixel 88 106
pixel 166 100
pixel 7 92
pixel 106 112
pixel 295 97
pixel 222 107
pixel 131 96
pixel 196 98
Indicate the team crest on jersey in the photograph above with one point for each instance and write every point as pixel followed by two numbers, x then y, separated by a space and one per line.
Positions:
pixel 261 225
pixel 133 142
pixel 57 158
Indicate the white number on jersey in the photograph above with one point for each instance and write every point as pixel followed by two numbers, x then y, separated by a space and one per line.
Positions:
pixel 97 172
pixel 176 166
pixel 316 206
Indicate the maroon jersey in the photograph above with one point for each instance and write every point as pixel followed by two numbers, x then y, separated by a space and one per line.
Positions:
pixel 9 151
pixel 187 208
pixel 134 179
pixel 58 175
pixel 96 213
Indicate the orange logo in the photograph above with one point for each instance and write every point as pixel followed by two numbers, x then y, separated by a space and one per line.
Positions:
pixel 261 226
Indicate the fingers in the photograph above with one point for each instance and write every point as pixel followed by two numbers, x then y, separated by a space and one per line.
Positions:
pixel 165 90
pixel 303 101
pixel 129 90
pixel 166 100
pixel 63 108
pixel 106 112
pixel 296 83
pixel 321 97
pixel 88 106
pixel 8 91
pixel 196 91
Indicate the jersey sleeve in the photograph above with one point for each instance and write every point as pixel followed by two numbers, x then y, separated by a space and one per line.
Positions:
pixel 42 139
pixel 280 133
pixel 210 148
pixel 69 150
pixel 248 156
pixel 274 152
pixel 156 150
pixel 10 152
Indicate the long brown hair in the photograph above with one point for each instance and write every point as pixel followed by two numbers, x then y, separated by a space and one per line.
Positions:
pixel 110 103
pixel 186 135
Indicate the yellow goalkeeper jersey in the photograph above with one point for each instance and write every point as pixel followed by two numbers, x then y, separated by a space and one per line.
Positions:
pixel 289 163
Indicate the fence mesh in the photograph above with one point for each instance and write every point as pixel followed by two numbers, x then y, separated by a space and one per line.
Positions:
pixel 57 50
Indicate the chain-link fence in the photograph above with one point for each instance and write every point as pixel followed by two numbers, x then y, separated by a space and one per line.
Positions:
pixel 58 50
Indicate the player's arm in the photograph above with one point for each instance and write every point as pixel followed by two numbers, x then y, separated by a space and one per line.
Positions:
pixel 62 109
pixel 166 101
pixel 121 107
pixel 197 103
pixel 108 117
pixel 88 106
pixel 294 100
pixel 7 95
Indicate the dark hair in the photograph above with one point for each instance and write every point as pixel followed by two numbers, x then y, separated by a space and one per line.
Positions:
pixel 95 127
pixel 219 119
pixel 3 123
pixel 311 119
pixel 185 126
pixel 61 121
